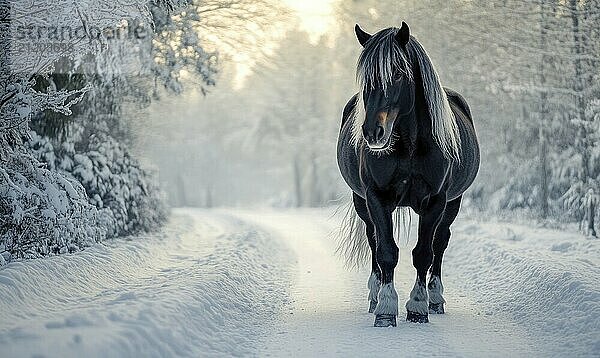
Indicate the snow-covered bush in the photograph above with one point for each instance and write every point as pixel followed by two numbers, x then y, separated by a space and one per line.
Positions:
pixel 42 212
pixel 581 183
pixel 127 195
pixel 519 192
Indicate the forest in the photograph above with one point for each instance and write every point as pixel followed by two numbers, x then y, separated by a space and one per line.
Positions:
pixel 214 103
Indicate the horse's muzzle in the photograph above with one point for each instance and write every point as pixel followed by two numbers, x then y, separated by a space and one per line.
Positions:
pixel 378 132
pixel 375 138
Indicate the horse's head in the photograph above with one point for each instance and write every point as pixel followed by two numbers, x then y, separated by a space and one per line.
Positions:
pixel 387 90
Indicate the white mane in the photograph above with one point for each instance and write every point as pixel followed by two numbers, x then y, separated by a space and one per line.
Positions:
pixel 379 61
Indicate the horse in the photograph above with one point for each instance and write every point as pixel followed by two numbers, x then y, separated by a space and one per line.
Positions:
pixel 405 142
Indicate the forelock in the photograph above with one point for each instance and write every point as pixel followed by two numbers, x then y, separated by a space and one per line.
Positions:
pixel 380 60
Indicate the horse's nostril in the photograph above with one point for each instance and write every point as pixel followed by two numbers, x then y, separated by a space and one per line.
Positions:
pixel 365 133
pixel 379 131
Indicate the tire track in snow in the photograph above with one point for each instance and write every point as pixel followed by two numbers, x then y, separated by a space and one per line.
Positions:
pixel 329 315
pixel 202 289
pixel 218 282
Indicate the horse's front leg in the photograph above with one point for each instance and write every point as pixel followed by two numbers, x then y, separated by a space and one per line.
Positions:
pixel 386 254
pixel 440 242
pixel 374 283
pixel 417 306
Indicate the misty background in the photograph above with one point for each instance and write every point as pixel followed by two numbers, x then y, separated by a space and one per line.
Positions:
pixel 218 103
pixel 266 132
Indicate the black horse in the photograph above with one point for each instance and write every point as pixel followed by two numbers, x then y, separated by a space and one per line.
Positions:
pixel 405 141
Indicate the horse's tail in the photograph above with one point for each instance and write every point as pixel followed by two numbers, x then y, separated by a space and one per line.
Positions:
pixel 352 242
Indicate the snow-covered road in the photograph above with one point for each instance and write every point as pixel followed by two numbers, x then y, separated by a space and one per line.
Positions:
pixel 266 283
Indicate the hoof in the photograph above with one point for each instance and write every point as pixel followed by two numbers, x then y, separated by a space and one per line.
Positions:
pixel 436 308
pixel 417 317
pixel 372 305
pixel 385 320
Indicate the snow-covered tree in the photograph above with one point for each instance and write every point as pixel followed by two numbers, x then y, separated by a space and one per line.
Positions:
pixel 43 211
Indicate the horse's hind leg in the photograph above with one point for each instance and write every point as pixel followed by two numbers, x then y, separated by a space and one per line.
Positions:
pixel 440 243
pixel 374 282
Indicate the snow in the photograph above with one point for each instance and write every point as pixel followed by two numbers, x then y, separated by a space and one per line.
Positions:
pixel 519 270
pixel 266 282
pixel 201 289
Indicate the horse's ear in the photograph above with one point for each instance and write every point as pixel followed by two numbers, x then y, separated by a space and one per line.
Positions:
pixel 362 36
pixel 403 34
